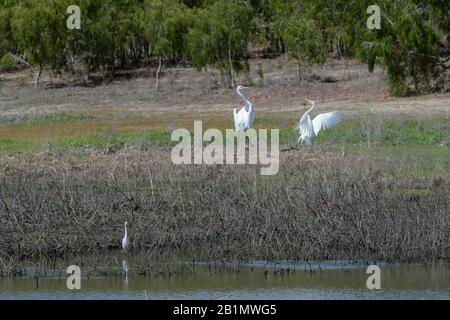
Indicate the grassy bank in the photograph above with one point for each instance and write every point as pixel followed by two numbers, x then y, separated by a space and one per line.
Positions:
pixel 422 145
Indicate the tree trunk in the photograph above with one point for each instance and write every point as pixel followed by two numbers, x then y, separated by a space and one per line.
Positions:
pixel 157 73
pixel 231 76
pixel 230 61
pixel 50 73
pixel 300 76
pixel 286 65
pixel 37 76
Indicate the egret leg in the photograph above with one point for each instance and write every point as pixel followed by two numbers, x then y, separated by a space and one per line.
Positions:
pixel 308 142
pixel 248 142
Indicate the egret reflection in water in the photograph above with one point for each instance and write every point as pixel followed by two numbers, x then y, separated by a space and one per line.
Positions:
pixel 125 273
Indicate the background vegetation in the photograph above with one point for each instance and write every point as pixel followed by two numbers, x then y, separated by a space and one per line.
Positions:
pixel 412 44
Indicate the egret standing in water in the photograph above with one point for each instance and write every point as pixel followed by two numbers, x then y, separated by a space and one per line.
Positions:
pixel 310 128
pixel 243 118
pixel 125 241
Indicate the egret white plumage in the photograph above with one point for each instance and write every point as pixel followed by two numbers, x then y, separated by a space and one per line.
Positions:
pixel 310 128
pixel 125 241
pixel 243 118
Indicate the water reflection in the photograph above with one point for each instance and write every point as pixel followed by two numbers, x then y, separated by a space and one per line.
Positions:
pixel 125 273
pixel 255 280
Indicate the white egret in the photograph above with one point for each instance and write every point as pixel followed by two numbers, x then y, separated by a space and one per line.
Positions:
pixel 125 241
pixel 310 128
pixel 243 118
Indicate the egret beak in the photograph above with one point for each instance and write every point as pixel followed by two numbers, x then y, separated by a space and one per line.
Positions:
pixel 309 101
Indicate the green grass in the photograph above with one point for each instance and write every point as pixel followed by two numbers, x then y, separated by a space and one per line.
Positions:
pixel 113 141
pixel 390 133
pixel 393 132
pixel 12 146
pixel 420 143
pixel 403 146
pixel 51 118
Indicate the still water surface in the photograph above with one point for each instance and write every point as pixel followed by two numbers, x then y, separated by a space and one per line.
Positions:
pixel 329 280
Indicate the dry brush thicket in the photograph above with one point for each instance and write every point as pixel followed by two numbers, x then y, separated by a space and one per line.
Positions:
pixel 320 206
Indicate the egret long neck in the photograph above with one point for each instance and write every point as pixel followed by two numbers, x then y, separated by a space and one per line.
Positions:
pixel 126 231
pixel 312 107
pixel 242 96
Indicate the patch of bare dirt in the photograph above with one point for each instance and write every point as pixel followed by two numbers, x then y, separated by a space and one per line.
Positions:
pixel 346 85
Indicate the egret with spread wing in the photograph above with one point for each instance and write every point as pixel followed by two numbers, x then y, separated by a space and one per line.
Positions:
pixel 310 128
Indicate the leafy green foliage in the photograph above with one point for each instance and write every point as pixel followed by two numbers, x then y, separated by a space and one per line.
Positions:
pixel 220 36
pixel 407 45
pixel 303 40
pixel 165 25
pixel 6 63
pixel 412 44
pixel 35 30
pixel 5 29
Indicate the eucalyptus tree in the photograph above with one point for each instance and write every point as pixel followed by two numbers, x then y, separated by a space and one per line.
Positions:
pixel 220 37
pixel 36 28
pixel 303 40
pixel 165 25
pixel 411 44
pixel 6 43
